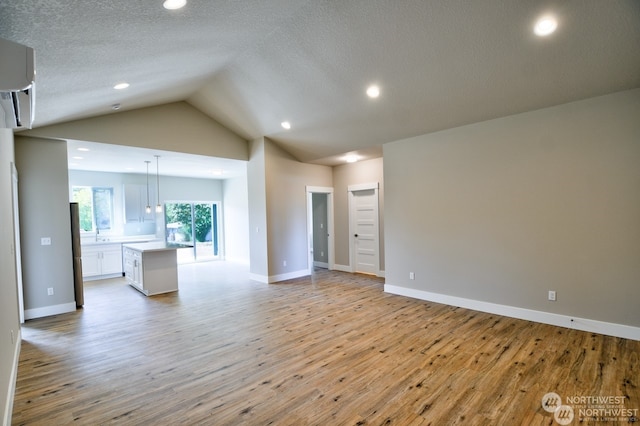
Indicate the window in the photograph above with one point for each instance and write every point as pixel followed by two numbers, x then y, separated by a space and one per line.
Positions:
pixel 95 206
pixel 194 223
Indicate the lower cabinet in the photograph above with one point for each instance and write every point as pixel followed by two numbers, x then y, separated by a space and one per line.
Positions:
pixel 101 261
pixel 133 267
pixel 151 271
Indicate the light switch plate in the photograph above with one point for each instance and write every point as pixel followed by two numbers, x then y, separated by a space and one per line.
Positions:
pixel 45 241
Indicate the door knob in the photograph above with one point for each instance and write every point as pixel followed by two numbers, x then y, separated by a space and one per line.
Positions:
pixel 355 235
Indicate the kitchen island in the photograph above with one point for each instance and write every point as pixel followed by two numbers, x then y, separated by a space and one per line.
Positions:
pixel 151 268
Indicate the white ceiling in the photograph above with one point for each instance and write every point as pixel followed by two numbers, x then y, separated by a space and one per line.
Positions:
pixel 251 64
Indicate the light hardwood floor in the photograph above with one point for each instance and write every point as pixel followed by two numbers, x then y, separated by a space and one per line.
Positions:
pixel 332 349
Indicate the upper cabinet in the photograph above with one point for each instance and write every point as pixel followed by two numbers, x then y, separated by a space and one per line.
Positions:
pixel 135 202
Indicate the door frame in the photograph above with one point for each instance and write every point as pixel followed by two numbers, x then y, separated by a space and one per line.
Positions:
pixel 16 239
pixel 352 246
pixel 330 239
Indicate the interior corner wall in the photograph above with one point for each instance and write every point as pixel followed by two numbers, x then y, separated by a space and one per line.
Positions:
pixel 43 190
pixel 9 314
pixel 361 172
pixel 286 182
pixel 504 210
pixel 177 127
pixel 236 219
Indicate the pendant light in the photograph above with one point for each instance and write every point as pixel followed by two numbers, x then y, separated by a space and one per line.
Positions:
pixel 148 208
pixel 158 206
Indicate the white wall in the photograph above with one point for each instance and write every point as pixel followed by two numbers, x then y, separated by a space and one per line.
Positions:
pixel 44 212
pixel 177 127
pixel 9 316
pixel 505 210
pixel 236 219
pixel 278 211
pixel 171 189
pixel 286 181
pixel 361 172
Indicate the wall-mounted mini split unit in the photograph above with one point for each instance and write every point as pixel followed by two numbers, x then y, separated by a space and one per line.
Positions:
pixel 17 85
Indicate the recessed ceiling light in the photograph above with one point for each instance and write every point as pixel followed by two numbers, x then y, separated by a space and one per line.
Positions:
pixel 174 4
pixel 373 91
pixel 285 125
pixel 83 149
pixel 77 158
pixel 217 172
pixel 351 158
pixel 545 26
pixel 121 86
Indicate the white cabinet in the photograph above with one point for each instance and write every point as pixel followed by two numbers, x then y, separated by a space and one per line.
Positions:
pixel 135 203
pixel 151 271
pixel 101 261
pixel 132 267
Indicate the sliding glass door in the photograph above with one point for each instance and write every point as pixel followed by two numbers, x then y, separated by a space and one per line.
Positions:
pixel 194 223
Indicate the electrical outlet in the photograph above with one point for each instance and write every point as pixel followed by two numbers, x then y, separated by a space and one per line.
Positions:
pixel 50 291
pixel 412 276
pixel 321 254
pixel 552 295
pixel 284 263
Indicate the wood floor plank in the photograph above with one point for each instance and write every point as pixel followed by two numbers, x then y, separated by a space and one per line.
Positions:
pixel 332 348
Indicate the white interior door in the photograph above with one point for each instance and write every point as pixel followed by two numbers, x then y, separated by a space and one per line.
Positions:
pixel 363 210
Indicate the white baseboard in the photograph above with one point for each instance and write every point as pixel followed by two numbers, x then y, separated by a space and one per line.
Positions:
pixel 260 278
pixel 342 268
pixel 321 264
pixel 280 277
pixel 8 406
pixel 583 324
pixel 288 276
pixel 49 310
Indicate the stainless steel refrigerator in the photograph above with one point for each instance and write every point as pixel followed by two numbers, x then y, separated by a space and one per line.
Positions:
pixel 77 254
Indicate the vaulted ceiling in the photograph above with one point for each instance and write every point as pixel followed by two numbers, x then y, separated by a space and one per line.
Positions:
pixel 252 64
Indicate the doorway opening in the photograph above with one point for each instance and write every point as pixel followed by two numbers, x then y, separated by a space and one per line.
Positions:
pixel 197 224
pixel 320 228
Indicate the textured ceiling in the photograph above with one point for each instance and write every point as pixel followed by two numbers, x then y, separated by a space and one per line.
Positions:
pixel 251 64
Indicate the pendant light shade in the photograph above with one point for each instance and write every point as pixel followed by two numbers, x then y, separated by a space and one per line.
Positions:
pixel 158 206
pixel 148 208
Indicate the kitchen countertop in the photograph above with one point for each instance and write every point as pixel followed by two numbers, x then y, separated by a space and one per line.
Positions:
pixel 155 246
pixel 118 240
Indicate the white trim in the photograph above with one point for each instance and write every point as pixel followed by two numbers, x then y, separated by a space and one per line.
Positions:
pixel 102 277
pixel 321 264
pixel 583 324
pixel 49 310
pixel 330 225
pixel 288 276
pixel 342 268
pixel 260 278
pixel 280 277
pixel 363 186
pixel 8 406
pixel 352 246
